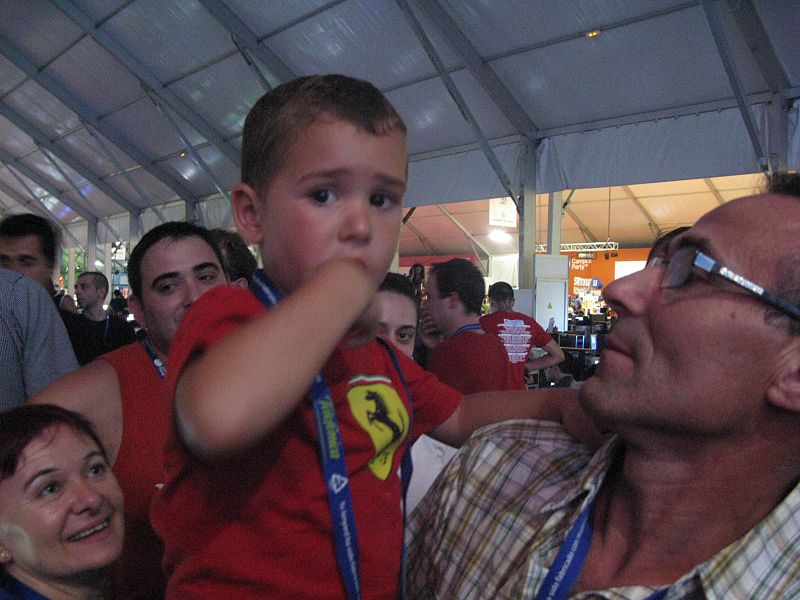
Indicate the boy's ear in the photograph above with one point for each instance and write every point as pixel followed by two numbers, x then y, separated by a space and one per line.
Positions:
pixel 784 389
pixel 244 209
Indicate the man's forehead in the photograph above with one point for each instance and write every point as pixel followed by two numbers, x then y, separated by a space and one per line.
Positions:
pixel 28 245
pixel 171 255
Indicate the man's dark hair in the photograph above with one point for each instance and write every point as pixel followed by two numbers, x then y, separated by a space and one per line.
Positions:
pixel 21 425
pixel 281 113
pixel 501 291
pixel 399 284
pixel 17 226
pixel 239 261
pixel 784 183
pixel 662 241
pixel 99 279
pixel 175 230
pixel 459 276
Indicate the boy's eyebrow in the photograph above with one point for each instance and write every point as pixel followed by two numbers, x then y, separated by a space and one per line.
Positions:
pixel 384 179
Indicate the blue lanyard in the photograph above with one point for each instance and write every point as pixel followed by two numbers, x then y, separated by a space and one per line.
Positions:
pixel 565 568
pixel 463 328
pixel 19 590
pixel 331 452
pixel 157 362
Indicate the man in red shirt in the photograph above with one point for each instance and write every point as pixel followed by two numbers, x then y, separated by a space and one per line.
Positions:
pixel 468 359
pixel 519 334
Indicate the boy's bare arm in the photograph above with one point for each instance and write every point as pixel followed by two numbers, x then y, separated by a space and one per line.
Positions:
pixel 243 387
pixel 485 408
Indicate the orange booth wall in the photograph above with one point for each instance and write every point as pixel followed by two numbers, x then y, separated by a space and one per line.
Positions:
pixel 600 267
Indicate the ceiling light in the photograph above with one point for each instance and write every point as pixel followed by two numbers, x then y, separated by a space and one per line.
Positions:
pixel 592 33
pixel 501 237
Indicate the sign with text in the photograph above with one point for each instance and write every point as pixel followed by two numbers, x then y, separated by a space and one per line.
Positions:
pixel 502 212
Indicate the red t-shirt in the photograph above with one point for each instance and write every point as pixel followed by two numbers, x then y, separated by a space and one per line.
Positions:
pixel 139 467
pixel 259 526
pixel 519 333
pixel 472 362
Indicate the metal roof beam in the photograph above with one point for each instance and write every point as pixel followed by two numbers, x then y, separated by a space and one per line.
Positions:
pixel 423 239
pixel 196 158
pixel 479 67
pixel 651 223
pixel 455 94
pixel 239 30
pixel 735 80
pixel 34 204
pixel 10 161
pixel 587 233
pixel 43 141
pixel 124 172
pixel 88 116
pixel 714 191
pixel 757 40
pixel 464 230
pixel 144 75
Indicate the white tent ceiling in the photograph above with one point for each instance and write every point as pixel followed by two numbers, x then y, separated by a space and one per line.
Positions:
pixel 116 114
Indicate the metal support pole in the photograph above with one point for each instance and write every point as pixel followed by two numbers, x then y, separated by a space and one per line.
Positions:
pixel 554 223
pixel 527 224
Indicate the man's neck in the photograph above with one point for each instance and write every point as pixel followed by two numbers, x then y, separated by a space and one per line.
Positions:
pixel 457 322
pixel 96 312
pixel 658 514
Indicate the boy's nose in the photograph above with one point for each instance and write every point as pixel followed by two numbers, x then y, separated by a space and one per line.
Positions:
pixel 358 222
pixel 634 293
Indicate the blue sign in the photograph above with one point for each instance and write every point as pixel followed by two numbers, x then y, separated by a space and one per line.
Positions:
pixel 596 283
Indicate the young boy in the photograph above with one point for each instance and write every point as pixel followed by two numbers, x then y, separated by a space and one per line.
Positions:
pixel 246 511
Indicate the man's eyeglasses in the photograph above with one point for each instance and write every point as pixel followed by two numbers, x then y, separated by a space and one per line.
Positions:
pixel 679 270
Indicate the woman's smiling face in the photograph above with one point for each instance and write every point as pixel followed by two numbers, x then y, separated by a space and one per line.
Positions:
pixel 61 512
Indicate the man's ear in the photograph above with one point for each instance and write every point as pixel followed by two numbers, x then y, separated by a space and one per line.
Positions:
pixel 245 204
pixel 135 306
pixel 784 390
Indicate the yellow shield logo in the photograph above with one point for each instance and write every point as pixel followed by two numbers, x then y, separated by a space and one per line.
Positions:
pixel 382 414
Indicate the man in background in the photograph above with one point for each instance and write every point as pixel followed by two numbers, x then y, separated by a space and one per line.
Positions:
pixel 519 333
pixel 105 331
pixel 123 392
pixel 34 348
pixel 467 359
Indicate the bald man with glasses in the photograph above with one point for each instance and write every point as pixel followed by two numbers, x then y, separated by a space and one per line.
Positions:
pixel 695 493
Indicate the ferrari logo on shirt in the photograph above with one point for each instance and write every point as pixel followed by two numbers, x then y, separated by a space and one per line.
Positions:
pixel 382 414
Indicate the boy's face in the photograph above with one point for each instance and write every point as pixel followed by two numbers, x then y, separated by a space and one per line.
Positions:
pixel 338 194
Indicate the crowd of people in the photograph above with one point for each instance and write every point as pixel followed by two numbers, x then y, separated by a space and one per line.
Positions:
pixel 269 433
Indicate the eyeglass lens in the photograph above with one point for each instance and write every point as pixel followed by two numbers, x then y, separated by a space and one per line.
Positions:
pixel 679 268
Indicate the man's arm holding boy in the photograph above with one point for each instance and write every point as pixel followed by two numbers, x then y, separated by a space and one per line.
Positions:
pixel 484 408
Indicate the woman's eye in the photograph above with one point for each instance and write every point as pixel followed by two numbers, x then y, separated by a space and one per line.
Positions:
pixel 323 196
pixel 98 469
pixel 49 489
pixel 382 200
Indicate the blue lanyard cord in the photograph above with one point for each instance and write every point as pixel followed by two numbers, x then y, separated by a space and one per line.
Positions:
pixel 463 328
pixel 567 566
pixel 331 450
pixel 406 464
pixel 161 369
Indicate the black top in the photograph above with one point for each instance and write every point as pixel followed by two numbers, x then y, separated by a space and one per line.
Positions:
pixel 90 338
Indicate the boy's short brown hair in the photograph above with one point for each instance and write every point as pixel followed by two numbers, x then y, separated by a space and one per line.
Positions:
pixel 281 113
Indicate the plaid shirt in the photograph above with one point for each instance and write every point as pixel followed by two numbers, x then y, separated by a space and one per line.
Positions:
pixel 494 521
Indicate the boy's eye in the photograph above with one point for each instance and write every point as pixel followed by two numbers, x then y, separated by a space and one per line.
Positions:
pixel 382 200
pixel 166 288
pixel 323 196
